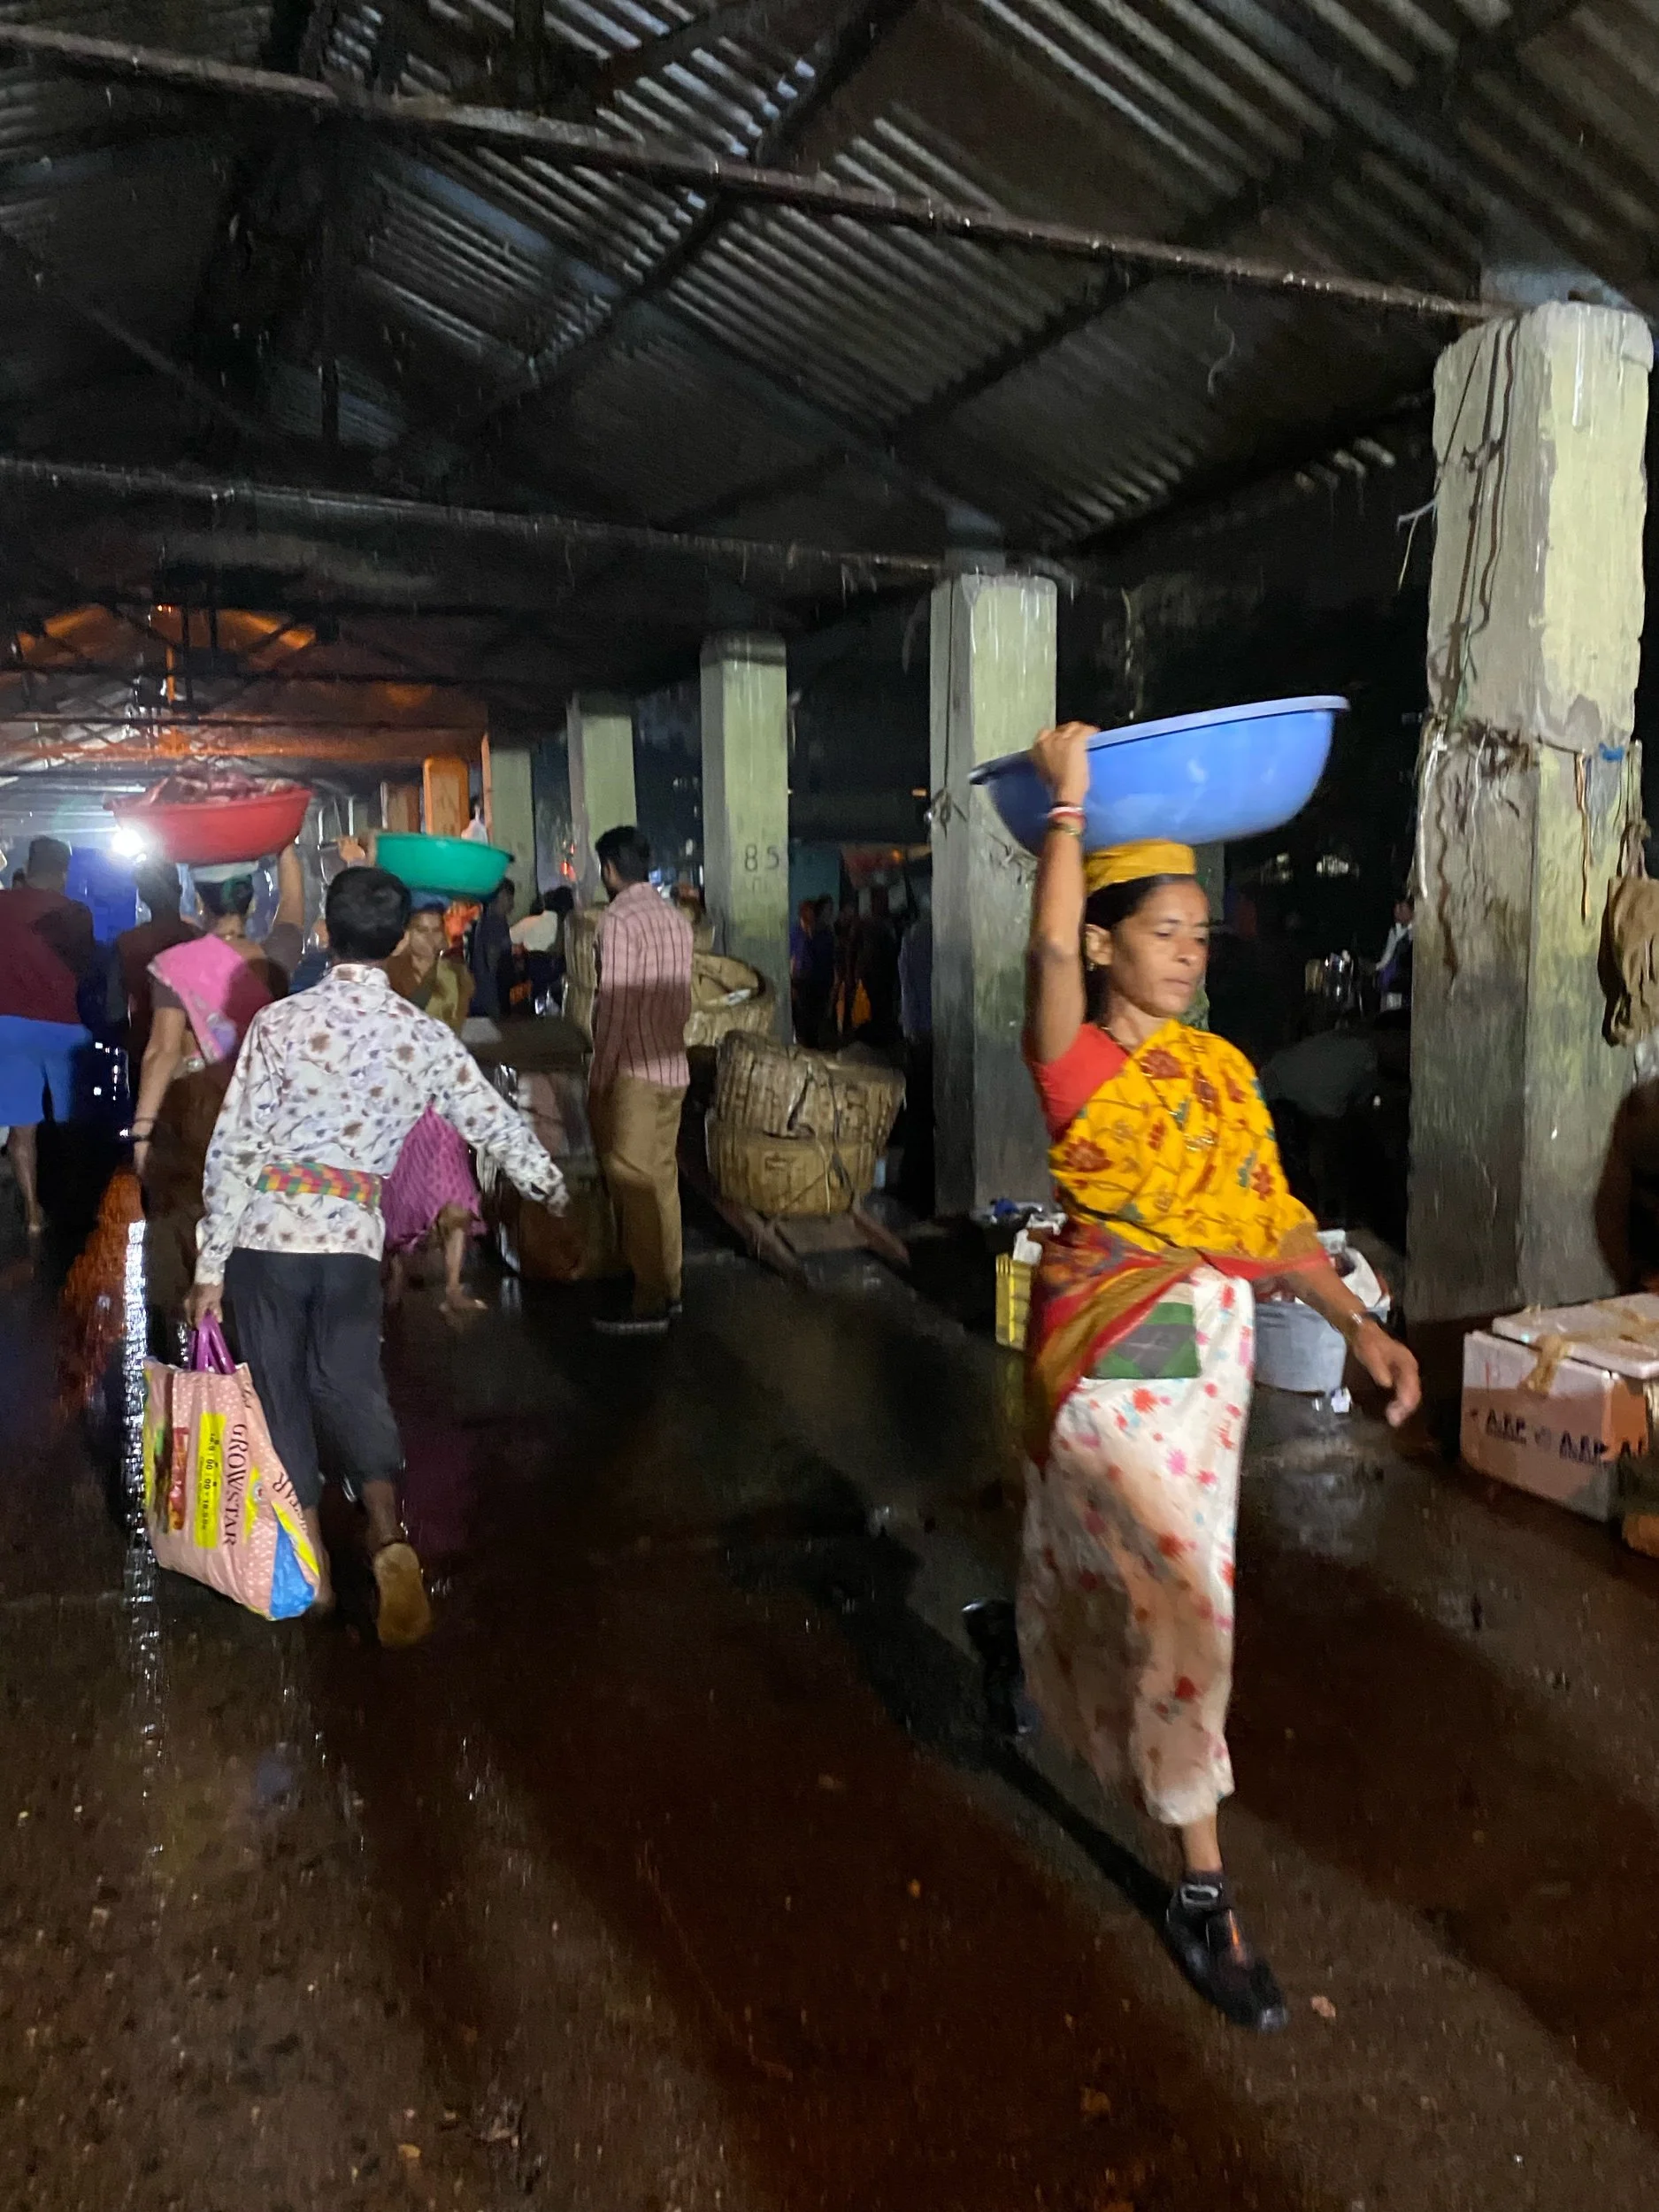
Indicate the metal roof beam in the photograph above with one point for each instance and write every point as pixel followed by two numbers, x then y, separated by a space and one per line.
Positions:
pixel 793 411
pixel 241 500
pixel 231 319
pixel 1234 484
pixel 1393 124
pixel 569 145
pixel 703 33
pixel 837 57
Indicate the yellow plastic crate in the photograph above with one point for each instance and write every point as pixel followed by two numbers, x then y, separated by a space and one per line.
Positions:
pixel 1013 1299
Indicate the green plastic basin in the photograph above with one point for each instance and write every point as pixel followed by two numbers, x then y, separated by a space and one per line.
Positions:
pixel 454 865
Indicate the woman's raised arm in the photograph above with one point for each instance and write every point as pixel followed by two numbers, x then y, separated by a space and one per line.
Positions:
pixel 1056 1001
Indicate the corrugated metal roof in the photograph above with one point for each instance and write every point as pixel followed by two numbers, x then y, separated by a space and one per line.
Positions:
pixel 612 344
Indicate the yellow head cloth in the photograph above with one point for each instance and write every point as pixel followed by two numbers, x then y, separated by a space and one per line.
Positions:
pixel 1128 863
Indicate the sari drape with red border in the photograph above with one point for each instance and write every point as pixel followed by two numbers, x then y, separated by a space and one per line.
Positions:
pixel 1164 1161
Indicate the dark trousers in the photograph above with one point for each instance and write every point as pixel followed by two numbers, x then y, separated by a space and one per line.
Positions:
pixel 308 1325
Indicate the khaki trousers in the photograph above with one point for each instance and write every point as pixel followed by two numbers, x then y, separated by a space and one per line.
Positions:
pixel 636 1134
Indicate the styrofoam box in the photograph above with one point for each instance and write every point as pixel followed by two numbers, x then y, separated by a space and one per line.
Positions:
pixel 1564 1445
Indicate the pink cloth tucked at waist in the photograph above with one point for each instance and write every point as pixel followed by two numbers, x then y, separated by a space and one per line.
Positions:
pixel 220 991
pixel 433 1171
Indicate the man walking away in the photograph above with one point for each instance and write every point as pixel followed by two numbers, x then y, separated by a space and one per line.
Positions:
pixel 640 1074
pixel 328 1086
pixel 47 947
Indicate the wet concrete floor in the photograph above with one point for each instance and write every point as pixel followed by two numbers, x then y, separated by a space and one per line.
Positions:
pixel 676 1873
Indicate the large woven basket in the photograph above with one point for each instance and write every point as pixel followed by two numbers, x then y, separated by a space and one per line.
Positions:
pixel 787 1175
pixel 717 1007
pixel 784 1091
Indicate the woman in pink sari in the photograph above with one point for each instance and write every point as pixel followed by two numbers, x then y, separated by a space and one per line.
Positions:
pixel 206 992
pixel 432 1188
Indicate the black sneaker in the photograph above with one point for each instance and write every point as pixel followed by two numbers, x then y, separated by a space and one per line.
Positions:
pixel 1201 1932
pixel 632 1324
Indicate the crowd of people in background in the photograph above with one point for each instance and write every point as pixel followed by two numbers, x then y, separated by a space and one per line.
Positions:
pixel 845 979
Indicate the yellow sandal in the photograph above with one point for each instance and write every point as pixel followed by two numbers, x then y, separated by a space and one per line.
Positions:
pixel 405 1614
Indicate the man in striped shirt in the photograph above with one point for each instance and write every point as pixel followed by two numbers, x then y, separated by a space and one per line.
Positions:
pixel 640 1074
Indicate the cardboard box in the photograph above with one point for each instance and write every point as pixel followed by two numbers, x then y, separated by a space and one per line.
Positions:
pixel 1563 1445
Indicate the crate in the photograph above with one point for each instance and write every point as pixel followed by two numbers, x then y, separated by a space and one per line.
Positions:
pixel 1016 1272
pixel 1013 1299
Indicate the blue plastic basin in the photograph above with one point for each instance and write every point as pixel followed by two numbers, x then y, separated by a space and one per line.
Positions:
pixel 1200 779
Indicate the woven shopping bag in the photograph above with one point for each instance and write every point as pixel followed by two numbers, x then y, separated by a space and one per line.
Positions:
pixel 218 1502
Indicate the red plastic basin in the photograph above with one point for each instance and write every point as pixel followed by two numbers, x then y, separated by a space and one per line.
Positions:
pixel 209 830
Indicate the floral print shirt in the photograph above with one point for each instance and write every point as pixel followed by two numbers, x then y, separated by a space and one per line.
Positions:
pixel 338 1077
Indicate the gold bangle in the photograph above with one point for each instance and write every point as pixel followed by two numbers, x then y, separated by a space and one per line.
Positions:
pixel 1066 827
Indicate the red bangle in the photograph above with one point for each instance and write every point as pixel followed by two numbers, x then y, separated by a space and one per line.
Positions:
pixel 1065 814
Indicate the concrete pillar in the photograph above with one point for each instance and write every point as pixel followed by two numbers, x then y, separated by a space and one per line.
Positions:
pixel 1528 779
pixel 993 689
pixel 509 815
pixel 745 804
pixel 600 736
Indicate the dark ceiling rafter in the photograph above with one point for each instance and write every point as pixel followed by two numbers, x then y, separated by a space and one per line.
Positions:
pixel 98 671
pixel 792 411
pixel 837 57
pixel 1321 68
pixel 231 499
pixel 704 32
pixel 231 320
pixel 1324 455
pixel 559 80
pixel 659 161
pixel 157 718
pixel 1375 153
pixel 56 286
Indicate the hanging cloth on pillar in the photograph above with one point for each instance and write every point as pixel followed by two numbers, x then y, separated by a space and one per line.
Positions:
pixel 1631 939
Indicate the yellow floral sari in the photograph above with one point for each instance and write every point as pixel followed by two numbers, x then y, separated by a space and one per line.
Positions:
pixel 1169 1165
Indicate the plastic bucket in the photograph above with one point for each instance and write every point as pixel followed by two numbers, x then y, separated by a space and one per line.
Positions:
pixel 1297 1350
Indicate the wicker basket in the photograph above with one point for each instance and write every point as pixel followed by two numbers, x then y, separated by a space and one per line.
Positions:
pixel 782 1091
pixel 714 1014
pixel 784 1176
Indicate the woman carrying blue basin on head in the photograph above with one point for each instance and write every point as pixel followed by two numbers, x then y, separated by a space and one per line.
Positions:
pixel 1139 1350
